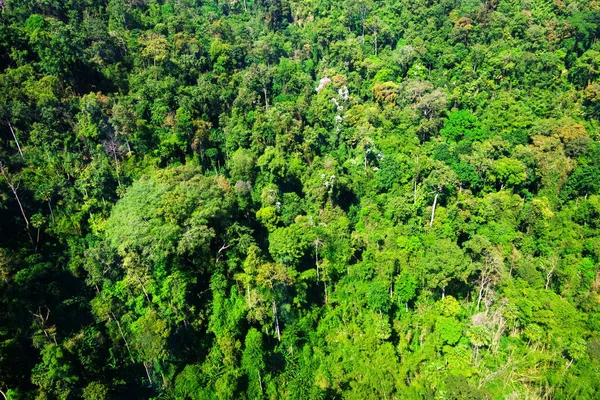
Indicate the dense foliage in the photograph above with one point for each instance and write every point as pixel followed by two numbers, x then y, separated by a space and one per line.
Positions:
pixel 246 199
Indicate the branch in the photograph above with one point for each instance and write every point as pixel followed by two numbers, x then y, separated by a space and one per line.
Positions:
pixel 223 248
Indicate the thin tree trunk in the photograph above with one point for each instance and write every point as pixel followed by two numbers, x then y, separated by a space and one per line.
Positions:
pixel 51 212
pixel 415 190
pixel 548 278
pixel 276 321
pixel 317 258
pixel 15 137
pixel 433 209
pixel 481 288
pixel 14 190
pixel 122 336
pixel 259 379
pixel 164 379
pixel 117 167
pixel 363 30
pixel 550 272
pixel 415 184
pixel 266 101
pixel 147 372
pixel 144 290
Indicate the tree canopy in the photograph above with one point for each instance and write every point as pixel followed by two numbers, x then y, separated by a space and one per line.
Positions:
pixel 265 199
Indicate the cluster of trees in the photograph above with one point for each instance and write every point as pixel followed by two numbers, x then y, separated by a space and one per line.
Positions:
pixel 299 199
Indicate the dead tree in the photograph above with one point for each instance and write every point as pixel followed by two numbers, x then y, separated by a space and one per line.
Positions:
pixel 42 322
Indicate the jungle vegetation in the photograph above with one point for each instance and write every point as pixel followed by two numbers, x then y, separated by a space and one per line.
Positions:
pixel 299 199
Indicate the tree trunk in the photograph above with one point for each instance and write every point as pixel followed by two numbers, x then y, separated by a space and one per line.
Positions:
pixel 550 270
pixel 266 101
pixel 415 191
pixel 363 18
pixel 37 242
pixel 317 258
pixel 13 188
pixel 117 167
pixel 375 43
pixel 147 372
pixel 548 278
pixel 481 288
pixel 51 212
pixel 122 336
pixel 15 137
pixel 276 321
pixel 415 183
pixel 433 209
pixel 164 378
pixel 259 379
pixel 144 290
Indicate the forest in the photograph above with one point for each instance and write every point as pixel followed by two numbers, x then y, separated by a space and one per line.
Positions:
pixel 299 199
